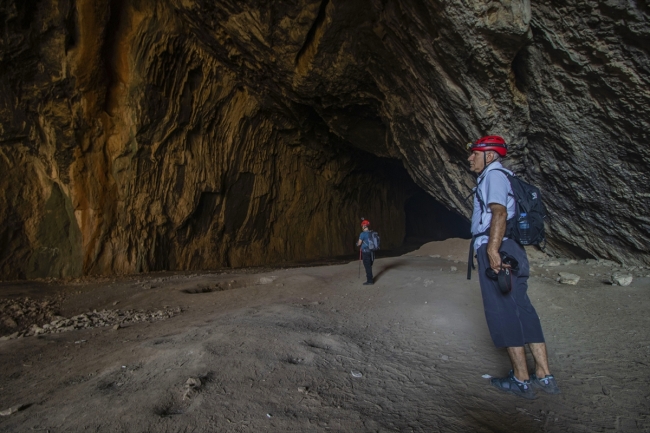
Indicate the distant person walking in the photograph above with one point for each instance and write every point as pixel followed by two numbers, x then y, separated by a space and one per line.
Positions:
pixel 511 318
pixel 367 255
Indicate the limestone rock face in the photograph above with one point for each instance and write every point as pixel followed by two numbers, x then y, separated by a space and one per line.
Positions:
pixel 193 134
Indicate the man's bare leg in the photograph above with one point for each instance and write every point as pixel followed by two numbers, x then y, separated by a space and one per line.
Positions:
pixel 518 360
pixel 541 359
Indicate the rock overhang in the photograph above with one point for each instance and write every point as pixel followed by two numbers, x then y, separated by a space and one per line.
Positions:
pixel 197 124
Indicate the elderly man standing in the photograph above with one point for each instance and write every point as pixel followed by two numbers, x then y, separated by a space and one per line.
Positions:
pixel 511 318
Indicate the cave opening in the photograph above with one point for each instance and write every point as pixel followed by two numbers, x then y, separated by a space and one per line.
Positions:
pixel 425 218
pixel 428 220
pixel 360 134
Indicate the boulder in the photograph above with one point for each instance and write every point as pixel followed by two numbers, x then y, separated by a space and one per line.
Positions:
pixel 620 279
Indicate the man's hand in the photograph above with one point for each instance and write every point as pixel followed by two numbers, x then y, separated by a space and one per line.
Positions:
pixel 497 231
pixel 495 261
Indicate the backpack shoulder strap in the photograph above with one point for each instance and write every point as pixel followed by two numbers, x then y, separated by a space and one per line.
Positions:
pixel 504 171
pixel 509 175
pixel 478 196
pixel 481 203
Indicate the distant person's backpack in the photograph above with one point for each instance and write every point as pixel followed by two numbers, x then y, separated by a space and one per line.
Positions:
pixel 373 240
pixel 527 226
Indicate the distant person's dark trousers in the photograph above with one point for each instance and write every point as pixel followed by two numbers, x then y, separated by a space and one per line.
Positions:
pixel 368 259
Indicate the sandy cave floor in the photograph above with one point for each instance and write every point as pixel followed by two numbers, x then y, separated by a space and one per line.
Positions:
pixel 281 350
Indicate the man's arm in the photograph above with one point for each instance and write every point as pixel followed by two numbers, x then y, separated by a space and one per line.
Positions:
pixel 497 231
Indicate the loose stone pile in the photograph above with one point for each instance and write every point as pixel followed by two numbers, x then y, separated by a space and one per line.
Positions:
pixel 615 273
pixel 18 314
pixel 10 309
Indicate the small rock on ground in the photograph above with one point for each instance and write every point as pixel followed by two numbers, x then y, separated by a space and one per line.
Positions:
pixel 621 279
pixel 568 278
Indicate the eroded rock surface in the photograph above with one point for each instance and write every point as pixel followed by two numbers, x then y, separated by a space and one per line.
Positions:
pixel 191 134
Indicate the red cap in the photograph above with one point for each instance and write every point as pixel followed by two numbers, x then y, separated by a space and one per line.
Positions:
pixel 365 223
pixel 490 142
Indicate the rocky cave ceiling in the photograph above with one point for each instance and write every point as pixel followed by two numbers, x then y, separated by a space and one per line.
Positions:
pixel 192 134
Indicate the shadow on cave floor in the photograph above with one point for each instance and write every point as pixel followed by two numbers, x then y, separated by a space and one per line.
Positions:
pixel 385 269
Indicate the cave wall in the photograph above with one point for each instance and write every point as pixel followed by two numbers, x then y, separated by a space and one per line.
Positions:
pixel 189 134
pixel 140 152
pixel 565 82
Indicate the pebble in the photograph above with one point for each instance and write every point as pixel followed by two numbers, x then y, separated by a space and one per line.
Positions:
pixel 192 386
pixel 568 278
pixel 454 269
pixel 12 410
pixel 267 280
pixel 193 382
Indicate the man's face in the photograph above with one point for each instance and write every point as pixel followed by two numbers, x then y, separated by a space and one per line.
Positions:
pixel 477 162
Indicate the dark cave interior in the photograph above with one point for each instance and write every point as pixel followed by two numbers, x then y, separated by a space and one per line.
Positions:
pixel 428 220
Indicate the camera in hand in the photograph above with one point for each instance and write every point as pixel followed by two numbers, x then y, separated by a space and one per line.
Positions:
pixel 505 276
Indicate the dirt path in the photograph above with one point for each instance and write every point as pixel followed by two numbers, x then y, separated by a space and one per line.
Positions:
pixel 311 349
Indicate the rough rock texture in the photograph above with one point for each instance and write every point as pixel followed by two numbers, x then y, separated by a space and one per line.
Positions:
pixel 188 134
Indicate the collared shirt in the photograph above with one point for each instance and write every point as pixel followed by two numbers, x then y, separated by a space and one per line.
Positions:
pixel 363 237
pixel 493 187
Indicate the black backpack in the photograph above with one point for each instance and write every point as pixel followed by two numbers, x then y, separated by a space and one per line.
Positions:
pixel 527 226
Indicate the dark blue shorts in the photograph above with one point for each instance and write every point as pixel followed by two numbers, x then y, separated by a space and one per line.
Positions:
pixel 511 318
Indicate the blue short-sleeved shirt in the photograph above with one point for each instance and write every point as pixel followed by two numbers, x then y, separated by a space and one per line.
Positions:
pixel 493 187
pixel 363 237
